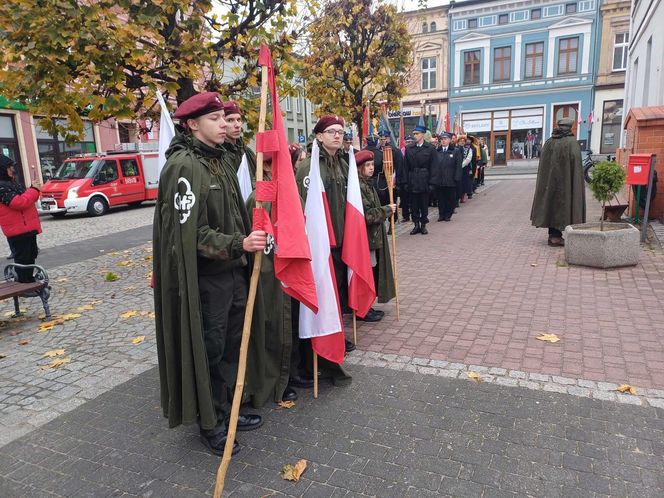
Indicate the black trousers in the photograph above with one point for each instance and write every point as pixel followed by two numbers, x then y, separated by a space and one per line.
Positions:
pixel 341 275
pixel 447 199
pixel 25 253
pixel 223 301
pixel 405 203
pixel 554 232
pixel 420 206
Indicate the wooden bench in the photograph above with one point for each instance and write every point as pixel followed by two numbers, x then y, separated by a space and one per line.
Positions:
pixel 14 289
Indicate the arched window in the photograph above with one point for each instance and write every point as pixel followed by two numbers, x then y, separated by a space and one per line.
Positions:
pixel 425 28
pixel 433 27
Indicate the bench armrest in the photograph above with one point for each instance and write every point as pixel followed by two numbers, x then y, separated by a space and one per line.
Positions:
pixel 41 275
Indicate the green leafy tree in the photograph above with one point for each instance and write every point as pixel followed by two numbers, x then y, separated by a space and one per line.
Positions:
pixel 359 51
pixel 106 58
pixel 608 179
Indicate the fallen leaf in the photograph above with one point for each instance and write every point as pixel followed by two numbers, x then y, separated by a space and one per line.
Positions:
pixel 62 280
pixel 548 338
pixel 53 353
pixel 111 277
pixel 125 263
pixel 24 342
pixel 70 316
pixel 57 363
pixel 43 327
pixel 130 288
pixel 129 314
pixel 149 275
pixel 626 388
pixel 114 253
pixel 474 376
pixel 137 340
pixel 533 264
pixel 85 307
pixel 147 258
pixel 293 472
pixel 2 356
pixel 152 314
pixel 95 303
pixel 286 404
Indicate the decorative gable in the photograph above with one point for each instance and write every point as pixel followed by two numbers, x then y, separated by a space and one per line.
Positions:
pixel 473 36
pixel 571 21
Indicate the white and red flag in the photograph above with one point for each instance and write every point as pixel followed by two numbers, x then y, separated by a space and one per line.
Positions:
pixel 355 250
pixel 324 328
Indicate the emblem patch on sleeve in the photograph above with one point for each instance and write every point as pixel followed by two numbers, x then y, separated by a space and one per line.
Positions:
pixel 184 202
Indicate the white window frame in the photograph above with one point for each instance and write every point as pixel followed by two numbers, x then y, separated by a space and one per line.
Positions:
pixel 460 24
pixel 585 6
pixel 288 103
pixel 298 106
pixel 487 21
pixel 553 10
pixel 625 46
pixel 525 13
pixel 428 70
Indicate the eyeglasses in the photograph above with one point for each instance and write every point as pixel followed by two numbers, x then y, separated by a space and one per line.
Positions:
pixel 334 133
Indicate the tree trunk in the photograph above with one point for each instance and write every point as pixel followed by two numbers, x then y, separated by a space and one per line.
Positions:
pixel 601 220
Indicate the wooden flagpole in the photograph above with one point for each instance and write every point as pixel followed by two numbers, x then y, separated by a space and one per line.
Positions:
pixel 388 170
pixel 315 375
pixel 248 314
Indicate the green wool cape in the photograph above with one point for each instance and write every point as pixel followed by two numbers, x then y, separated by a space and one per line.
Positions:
pixel 236 151
pixel 560 196
pixel 197 213
pixel 375 216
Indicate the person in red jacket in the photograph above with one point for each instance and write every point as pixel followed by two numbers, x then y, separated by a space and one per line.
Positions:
pixel 18 217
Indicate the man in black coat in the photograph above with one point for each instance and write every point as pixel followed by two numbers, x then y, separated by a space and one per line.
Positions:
pixel 378 178
pixel 445 176
pixel 347 146
pixel 420 158
pixel 397 162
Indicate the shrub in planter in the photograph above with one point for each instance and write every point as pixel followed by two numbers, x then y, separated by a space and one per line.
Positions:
pixel 608 179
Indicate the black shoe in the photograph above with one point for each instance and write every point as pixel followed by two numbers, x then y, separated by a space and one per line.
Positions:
pixel 415 230
pixel 371 316
pixel 447 218
pixel 380 313
pixel 349 346
pixel 249 422
pixel 289 394
pixel 424 230
pixel 301 382
pixel 441 218
pixel 217 443
pixel 470 196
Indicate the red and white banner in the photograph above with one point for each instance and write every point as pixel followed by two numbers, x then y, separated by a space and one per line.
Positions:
pixel 355 250
pixel 324 328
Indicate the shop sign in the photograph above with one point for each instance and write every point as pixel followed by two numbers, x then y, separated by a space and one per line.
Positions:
pixel 477 125
pixel 526 122
pixel 500 124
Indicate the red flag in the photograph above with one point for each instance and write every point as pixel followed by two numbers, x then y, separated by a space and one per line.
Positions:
pixel 355 250
pixel 447 122
pixel 365 125
pixel 292 255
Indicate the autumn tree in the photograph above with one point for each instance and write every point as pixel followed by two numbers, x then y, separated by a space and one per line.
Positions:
pixel 359 51
pixel 106 58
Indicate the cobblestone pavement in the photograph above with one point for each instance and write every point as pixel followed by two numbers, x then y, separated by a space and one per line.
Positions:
pixel 390 434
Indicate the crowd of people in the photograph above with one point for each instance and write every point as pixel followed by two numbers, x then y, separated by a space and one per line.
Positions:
pixel 204 245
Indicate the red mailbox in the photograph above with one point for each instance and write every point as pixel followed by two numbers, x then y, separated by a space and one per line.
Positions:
pixel 638 169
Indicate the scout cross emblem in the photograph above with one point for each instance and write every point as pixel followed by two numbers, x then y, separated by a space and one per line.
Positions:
pixel 184 202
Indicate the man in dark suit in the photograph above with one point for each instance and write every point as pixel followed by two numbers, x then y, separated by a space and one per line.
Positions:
pixel 420 158
pixel 445 176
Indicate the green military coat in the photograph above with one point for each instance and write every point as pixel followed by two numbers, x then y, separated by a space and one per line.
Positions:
pixel 236 151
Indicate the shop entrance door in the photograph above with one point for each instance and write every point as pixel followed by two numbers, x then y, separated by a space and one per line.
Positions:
pixel 566 111
pixel 499 152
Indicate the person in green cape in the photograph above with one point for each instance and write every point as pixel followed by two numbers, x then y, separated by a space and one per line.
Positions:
pixel 234 144
pixel 375 215
pixel 202 249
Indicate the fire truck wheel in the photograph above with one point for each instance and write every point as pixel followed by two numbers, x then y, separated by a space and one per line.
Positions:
pixel 97 206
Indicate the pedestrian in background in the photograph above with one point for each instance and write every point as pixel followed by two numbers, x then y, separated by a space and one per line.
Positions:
pixel 445 176
pixel 420 157
pixel 19 218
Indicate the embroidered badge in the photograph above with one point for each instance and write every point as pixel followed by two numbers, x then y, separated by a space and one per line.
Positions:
pixel 269 246
pixel 184 202
pixel 306 182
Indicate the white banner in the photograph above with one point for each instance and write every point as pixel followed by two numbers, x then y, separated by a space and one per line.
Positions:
pixel 526 122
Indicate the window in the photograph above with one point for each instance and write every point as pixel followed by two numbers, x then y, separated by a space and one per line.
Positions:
pixel 127 132
pixel 288 104
pixel 432 28
pixel 53 150
pixel 425 27
pixel 502 62
pixel 570 8
pixel 536 14
pixel 472 23
pixel 108 171
pixel 586 5
pixel 428 73
pixel 488 21
pixel 471 67
pixel 503 19
pixel 521 15
pixel 460 25
pixel 620 45
pixel 568 53
pixel 554 10
pixel 534 60
pixel 129 167
pixel 611 118
pixel 298 109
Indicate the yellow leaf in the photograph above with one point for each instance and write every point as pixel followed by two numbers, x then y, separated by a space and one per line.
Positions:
pixel 125 263
pixel 138 339
pixel 474 376
pixel 128 314
pixel 70 316
pixel 62 280
pixel 626 388
pixel 293 472
pixel 57 363
pixel 147 258
pixel 46 326
pixel 152 314
pixel 85 307
pixel 286 404
pixel 114 253
pixel 548 337
pixel 53 353
pixel 24 342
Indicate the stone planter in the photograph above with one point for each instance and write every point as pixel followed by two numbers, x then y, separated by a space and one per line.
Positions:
pixel 618 245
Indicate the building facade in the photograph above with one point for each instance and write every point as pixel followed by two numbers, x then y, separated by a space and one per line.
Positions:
pixel 610 81
pixel 517 67
pixel 428 77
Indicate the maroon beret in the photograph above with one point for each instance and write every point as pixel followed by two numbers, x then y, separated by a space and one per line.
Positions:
pixel 326 121
pixel 363 156
pixel 231 107
pixel 198 105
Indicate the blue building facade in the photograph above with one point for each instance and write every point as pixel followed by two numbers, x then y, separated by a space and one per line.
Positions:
pixel 516 67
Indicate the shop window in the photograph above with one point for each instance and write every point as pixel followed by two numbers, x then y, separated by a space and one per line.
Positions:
pixel 471 67
pixel 502 63
pixel 570 8
pixel 568 53
pixel 53 150
pixel 526 144
pixel 620 46
pixel 611 118
pixel 472 23
pixel 536 14
pixel 503 19
pixel 9 143
pixel 428 73
pixel 534 60
pixel 432 27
